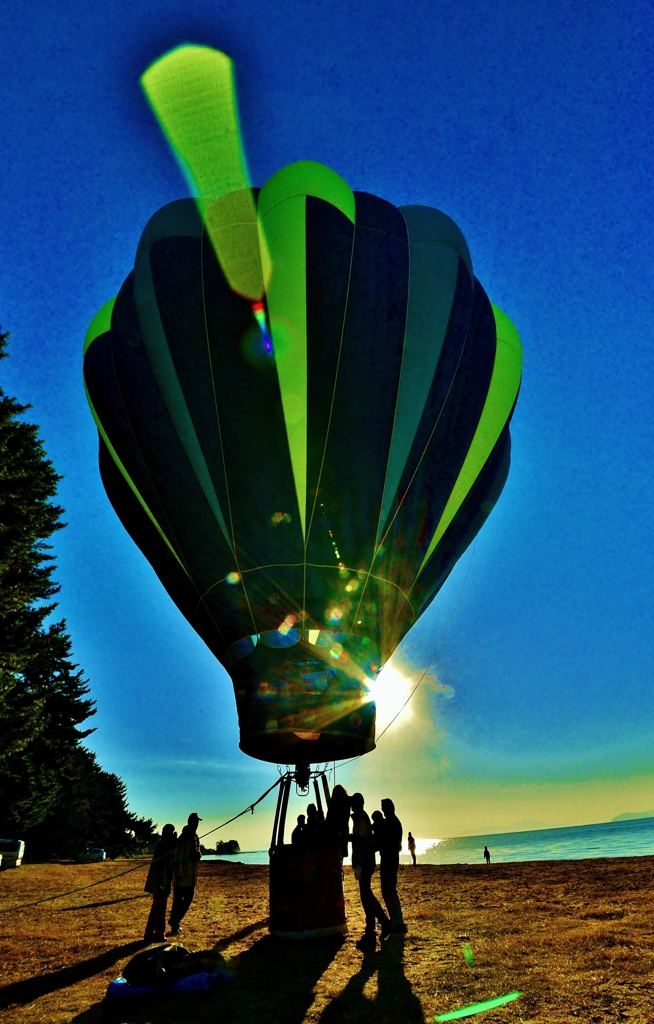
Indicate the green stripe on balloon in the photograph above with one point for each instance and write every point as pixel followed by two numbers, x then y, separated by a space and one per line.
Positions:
pixel 100 324
pixel 502 393
pixel 192 93
pixel 282 213
pixel 470 1011
pixel 130 482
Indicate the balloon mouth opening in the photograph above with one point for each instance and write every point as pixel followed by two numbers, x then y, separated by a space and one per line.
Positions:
pixel 287 747
pixel 304 697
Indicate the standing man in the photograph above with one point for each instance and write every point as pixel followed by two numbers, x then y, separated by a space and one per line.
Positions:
pixel 338 817
pixel 389 862
pixel 297 833
pixel 185 875
pixel 158 883
pixel 411 843
pixel 487 855
pixel 363 865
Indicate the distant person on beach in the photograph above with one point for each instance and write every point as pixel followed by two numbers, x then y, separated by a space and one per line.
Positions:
pixel 389 862
pixel 185 874
pixel 411 843
pixel 338 817
pixel 363 865
pixel 487 855
pixel 158 883
pixel 297 834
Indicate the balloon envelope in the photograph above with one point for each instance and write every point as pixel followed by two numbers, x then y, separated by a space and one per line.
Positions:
pixel 304 472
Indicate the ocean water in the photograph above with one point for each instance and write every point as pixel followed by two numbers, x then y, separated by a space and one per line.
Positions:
pixel 245 857
pixel 577 842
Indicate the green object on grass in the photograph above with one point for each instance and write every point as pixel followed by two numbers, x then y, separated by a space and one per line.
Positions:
pixel 470 1011
pixel 468 955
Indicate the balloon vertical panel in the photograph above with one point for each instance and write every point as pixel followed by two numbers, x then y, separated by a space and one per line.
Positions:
pixel 171 573
pixel 364 398
pixel 251 427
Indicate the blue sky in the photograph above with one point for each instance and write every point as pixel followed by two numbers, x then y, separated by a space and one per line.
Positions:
pixel 528 124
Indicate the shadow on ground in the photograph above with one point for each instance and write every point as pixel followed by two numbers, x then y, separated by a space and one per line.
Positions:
pixel 105 903
pixel 33 988
pixel 242 933
pixel 274 983
pixel 394 1000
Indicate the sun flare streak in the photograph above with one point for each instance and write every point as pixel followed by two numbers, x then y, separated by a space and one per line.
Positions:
pixel 390 691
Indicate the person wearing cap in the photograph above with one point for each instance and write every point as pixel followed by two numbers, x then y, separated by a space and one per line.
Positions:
pixel 185 873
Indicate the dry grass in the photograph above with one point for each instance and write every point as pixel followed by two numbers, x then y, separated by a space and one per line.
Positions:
pixel 575 936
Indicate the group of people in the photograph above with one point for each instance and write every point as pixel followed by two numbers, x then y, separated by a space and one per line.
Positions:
pixel 348 823
pixel 174 865
pixel 176 858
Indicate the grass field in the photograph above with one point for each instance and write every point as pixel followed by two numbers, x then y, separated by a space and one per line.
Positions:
pixel 576 937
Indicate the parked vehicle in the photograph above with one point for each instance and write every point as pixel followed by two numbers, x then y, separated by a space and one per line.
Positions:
pixel 12 852
pixel 95 853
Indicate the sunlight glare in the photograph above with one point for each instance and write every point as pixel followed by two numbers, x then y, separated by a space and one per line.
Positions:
pixel 389 691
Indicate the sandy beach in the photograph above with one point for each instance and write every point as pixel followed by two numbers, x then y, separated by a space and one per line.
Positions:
pixel 576 937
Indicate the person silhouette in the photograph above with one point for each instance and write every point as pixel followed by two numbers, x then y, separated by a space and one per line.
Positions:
pixel 389 862
pixel 297 835
pixel 185 873
pixel 487 855
pixel 377 825
pixel 158 884
pixel 363 865
pixel 314 828
pixel 338 817
pixel 411 843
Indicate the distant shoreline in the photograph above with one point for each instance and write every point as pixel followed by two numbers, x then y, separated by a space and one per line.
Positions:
pixel 542 826
pixel 611 839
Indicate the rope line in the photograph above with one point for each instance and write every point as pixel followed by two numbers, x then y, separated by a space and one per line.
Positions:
pixel 139 867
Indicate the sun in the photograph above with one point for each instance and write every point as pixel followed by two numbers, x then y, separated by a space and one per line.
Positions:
pixel 390 690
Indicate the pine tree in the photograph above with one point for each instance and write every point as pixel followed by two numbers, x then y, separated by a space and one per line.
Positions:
pixel 91 810
pixel 53 793
pixel 42 693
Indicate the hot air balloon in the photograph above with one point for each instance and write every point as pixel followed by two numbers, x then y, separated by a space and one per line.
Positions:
pixel 303 472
